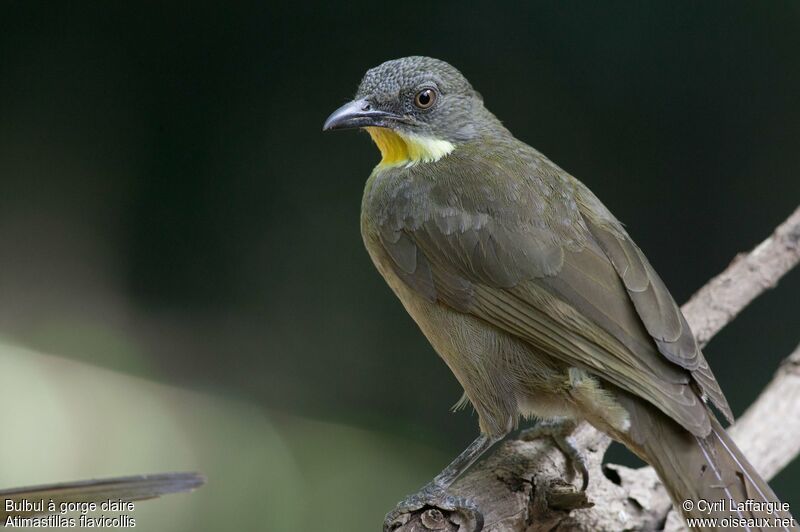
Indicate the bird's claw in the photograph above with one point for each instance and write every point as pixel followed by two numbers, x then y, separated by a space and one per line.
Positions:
pixel 435 508
pixel 559 431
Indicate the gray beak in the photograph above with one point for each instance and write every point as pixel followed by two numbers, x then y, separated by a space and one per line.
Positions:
pixel 358 113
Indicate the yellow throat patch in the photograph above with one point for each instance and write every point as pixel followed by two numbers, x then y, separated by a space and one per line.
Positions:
pixel 407 150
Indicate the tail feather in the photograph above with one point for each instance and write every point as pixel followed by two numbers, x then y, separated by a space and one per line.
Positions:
pixel 710 472
pixel 28 501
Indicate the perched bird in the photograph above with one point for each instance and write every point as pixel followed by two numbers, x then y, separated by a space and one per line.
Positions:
pixel 532 292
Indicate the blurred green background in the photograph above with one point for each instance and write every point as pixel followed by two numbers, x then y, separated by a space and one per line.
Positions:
pixel 183 241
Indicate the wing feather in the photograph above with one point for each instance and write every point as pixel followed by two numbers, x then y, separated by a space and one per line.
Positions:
pixel 654 304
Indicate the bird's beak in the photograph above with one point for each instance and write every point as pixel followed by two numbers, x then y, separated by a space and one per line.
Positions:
pixel 358 113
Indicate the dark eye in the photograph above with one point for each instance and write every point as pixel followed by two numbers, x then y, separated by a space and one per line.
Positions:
pixel 425 98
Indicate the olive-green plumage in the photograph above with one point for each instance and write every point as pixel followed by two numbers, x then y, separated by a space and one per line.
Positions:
pixel 531 291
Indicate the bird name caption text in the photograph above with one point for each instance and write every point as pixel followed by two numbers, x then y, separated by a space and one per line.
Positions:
pixel 49 513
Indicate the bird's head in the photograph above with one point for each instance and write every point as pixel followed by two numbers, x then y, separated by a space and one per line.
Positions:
pixel 416 109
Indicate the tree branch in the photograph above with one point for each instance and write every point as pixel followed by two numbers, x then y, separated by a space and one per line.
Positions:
pixel 748 276
pixel 768 449
pixel 521 487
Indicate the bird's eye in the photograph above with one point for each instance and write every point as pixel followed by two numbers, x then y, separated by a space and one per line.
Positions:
pixel 425 98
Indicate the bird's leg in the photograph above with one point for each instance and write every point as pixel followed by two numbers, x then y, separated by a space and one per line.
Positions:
pixel 559 430
pixel 435 495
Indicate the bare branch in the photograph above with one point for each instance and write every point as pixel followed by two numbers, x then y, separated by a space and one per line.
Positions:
pixel 768 449
pixel 521 487
pixel 723 297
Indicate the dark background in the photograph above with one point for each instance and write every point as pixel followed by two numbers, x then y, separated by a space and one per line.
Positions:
pixel 170 209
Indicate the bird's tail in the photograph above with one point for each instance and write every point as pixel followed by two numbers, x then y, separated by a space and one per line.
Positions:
pixel 26 502
pixel 709 479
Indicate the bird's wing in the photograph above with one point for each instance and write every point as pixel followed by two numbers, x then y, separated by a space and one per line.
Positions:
pixel 572 296
pixel 654 304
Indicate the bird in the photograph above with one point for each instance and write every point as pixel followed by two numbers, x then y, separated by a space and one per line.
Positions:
pixel 534 295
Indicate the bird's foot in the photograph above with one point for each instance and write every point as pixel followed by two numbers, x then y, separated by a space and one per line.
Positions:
pixel 436 510
pixel 559 430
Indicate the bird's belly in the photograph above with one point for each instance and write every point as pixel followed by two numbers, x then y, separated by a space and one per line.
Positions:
pixel 503 377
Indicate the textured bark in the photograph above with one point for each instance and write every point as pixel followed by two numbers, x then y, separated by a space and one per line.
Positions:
pixel 528 486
